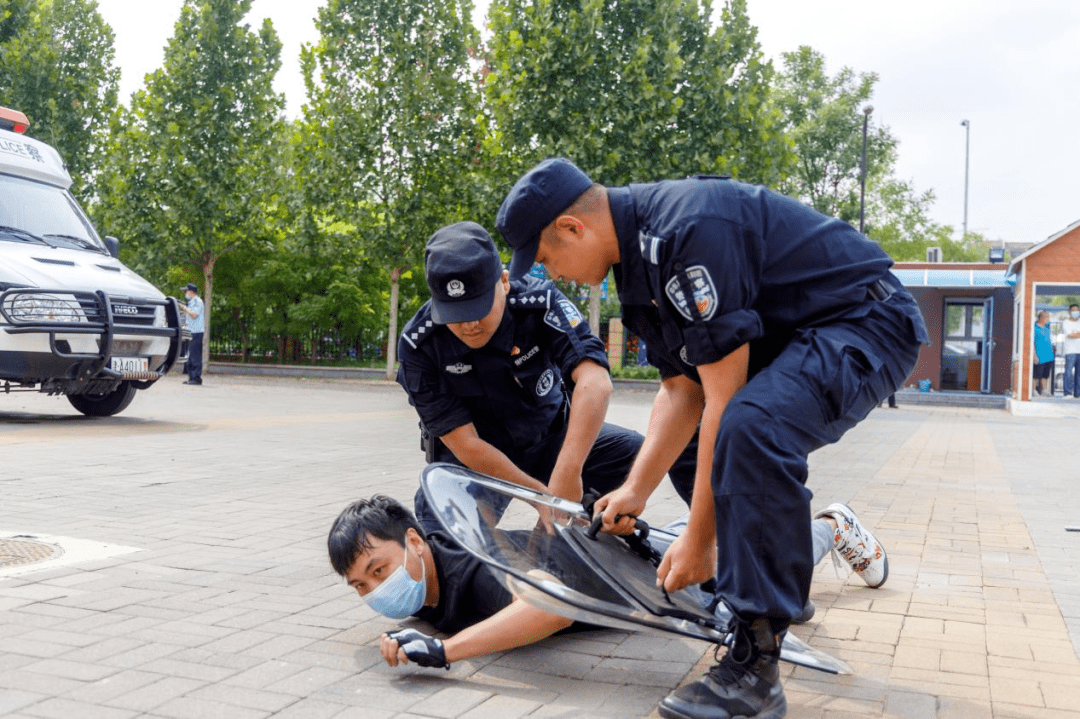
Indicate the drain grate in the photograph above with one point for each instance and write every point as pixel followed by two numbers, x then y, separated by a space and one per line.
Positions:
pixel 18 551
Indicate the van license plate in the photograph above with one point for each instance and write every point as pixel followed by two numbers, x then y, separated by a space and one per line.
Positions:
pixel 130 364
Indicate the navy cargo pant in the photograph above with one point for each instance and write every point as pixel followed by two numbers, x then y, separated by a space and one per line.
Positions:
pixel 605 468
pixel 821 384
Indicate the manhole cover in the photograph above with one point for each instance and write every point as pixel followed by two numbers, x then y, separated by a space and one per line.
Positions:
pixel 14 552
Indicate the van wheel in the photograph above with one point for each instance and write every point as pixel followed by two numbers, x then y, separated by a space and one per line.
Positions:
pixel 104 405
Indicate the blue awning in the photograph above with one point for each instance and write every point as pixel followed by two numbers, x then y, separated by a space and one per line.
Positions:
pixel 953 278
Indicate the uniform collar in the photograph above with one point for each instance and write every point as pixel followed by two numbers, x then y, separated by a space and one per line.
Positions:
pixel 631 265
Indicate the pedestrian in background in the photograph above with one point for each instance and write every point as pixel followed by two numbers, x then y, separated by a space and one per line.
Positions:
pixel 1070 327
pixel 1044 354
pixel 196 311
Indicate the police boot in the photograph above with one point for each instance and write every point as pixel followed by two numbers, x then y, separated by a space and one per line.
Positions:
pixel 744 684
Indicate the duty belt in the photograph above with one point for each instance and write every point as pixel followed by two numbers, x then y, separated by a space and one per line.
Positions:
pixel 880 291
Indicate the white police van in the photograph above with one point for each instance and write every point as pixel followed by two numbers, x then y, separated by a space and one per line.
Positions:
pixel 74 321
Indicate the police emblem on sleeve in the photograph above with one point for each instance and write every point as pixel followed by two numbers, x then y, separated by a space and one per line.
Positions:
pixel 545 383
pixel 565 317
pixel 704 291
pixel 455 288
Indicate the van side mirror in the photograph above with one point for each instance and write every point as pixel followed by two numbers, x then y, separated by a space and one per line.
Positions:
pixel 113 246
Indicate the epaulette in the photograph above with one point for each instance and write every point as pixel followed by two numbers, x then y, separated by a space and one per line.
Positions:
pixel 419 327
pixel 651 246
pixel 531 299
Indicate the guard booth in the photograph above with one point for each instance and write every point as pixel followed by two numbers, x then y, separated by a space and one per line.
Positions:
pixel 968 309
pixel 1048 270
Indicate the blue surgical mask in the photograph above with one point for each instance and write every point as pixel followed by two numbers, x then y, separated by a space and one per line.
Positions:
pixel 399 595
pixel 1074 315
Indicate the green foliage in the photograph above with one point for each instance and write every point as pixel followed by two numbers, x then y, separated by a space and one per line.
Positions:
pixel 631 90
pixel 56 65
pixel 635 372
pixel 825 121
pixel 190 172
pixel 391 125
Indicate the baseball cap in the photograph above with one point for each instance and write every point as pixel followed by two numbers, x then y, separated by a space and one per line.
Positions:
pixel 190 286
pixel 462 266
pixel 535 200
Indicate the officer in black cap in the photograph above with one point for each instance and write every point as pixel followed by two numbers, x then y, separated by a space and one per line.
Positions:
pixel 777 328
pixel 491 365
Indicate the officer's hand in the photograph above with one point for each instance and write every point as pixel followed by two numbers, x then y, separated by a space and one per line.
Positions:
pixel 406 645
pixel 619 509
pixel 687 561
pixel 566 485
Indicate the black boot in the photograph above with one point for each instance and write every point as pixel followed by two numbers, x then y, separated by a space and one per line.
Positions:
pixel 744 684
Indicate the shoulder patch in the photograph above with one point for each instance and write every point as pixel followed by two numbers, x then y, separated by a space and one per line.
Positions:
pixel 704 290
pixel 564 317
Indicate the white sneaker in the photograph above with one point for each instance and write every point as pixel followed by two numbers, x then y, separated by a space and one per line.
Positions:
pixel 856 545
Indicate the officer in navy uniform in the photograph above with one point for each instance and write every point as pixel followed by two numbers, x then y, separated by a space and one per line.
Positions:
pixel 778 328
pixel 507 378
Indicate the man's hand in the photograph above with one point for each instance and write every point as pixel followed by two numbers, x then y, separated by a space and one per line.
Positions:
pixel 689 560
pixel 624 503
pixel 407 645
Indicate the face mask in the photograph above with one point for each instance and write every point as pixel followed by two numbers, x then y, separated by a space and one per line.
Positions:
pixel 399 595
pixel 1075 315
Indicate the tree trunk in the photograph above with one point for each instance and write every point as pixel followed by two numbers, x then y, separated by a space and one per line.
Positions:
pixel 391 341
pixel 208 294
pixel 594 309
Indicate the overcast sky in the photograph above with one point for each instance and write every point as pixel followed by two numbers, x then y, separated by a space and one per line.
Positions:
pixel 1011 68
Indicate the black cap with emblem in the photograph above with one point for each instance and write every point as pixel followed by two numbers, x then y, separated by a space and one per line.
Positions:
pixel 462 266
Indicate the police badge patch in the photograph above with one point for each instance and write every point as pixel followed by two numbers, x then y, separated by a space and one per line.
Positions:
pixel 704 293
pixel 565 318
pixel 455 288
pixel 545 383
pixel 458 368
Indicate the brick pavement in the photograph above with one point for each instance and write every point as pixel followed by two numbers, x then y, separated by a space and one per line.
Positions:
pixel 210 594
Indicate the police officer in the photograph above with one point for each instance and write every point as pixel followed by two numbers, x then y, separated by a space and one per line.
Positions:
pixel 778 328
pixel 507 378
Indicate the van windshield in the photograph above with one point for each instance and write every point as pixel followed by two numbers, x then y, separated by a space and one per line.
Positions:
pixel 35 212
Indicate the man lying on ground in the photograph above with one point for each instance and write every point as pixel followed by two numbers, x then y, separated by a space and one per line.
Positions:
pixel 400 571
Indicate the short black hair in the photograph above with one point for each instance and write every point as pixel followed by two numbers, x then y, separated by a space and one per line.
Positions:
pixel 380 517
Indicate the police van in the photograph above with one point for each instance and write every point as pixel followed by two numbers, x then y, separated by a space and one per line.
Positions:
pixel 74 320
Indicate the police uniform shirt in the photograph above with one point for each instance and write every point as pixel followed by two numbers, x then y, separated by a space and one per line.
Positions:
pixel 469 591
pixel 510 389
pixel 709 264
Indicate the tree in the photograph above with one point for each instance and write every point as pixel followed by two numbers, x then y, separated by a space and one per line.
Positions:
pixel 824 119
pixel 631 90
pixel 194 162
pixel 392 116
pixel 56 65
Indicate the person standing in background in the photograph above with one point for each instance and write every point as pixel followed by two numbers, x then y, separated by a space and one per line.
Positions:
pixel 196 312
pixel 1044 354
pixel 1070 327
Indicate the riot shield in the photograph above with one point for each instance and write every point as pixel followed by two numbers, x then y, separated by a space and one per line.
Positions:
pixel 548 555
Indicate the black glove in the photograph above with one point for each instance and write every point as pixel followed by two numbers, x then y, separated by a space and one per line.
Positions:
pixel 420 648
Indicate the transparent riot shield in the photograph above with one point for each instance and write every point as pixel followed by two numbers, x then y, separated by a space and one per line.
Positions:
pixel 550 555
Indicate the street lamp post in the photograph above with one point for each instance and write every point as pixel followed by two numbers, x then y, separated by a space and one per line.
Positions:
pixel 862 192
pixel 967 154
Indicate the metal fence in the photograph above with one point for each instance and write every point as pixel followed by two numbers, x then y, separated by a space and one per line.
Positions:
pixel 232 340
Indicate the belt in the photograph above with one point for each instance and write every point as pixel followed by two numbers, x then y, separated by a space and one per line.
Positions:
pixel 880 290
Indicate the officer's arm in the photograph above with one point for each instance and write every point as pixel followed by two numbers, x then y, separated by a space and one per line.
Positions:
pixel 482 456
pixel 692 557
pixel 592 392
pixel 674 417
